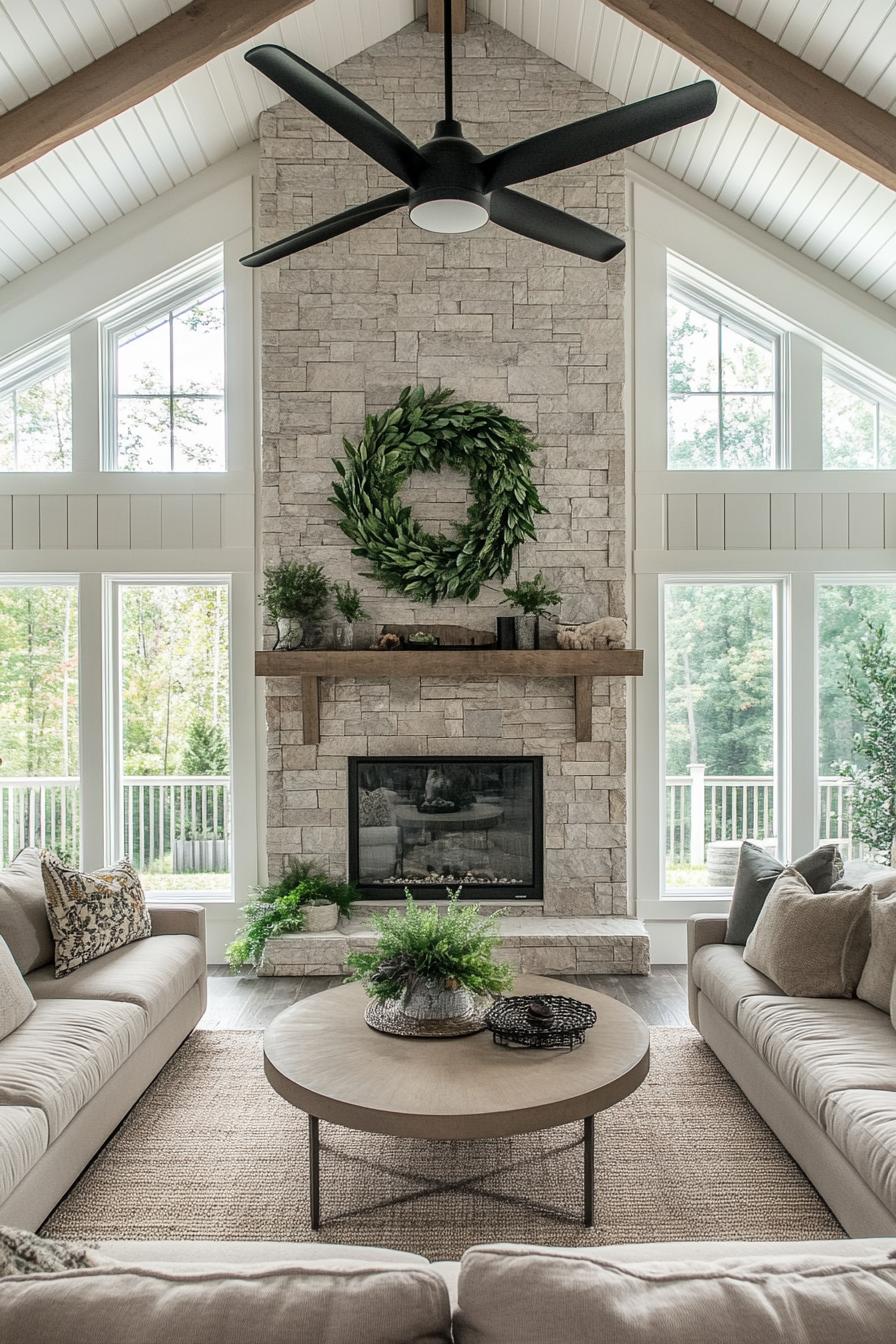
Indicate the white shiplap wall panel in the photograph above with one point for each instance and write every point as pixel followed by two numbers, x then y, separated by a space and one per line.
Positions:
pixel 26 522
pixel 5 522
pixel 739 158
pixel 53 522
pixel 82 522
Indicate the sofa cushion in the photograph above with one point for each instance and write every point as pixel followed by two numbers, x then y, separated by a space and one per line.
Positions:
pixel 810 944
pixel 527 1295
pixel 64 1052
pixel 757 872
pixel 16 999
pixel 862 1123
pixel 155 974
pixel 249 1253
pixel 321 1302
pixel 24 925
pixel 876 984
pixel 863 872
pixel 720 972
pixel 24 1138
pixel 819 1047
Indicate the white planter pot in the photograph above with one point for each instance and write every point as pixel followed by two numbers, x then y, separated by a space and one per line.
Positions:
pixel 289 632
pixel 320 918
pixel 429 1000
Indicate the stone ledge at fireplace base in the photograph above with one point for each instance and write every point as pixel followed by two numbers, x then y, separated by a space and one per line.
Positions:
pixel 574 946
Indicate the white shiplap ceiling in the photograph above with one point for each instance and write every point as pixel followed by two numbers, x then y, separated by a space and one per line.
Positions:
pixel 738 158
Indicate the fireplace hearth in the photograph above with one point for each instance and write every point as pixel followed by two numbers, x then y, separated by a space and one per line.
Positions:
pixel 433 824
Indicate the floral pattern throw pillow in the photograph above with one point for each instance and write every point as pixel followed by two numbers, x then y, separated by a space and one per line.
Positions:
pixel 92 913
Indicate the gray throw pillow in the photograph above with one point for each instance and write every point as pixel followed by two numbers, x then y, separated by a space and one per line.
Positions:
pixel 16 999
pixel 876 984
pixel 757 872
pixel 812 945
pixel 24 925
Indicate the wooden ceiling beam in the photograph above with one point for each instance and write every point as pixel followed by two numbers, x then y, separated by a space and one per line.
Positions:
pixel 125 76
pixel 774 81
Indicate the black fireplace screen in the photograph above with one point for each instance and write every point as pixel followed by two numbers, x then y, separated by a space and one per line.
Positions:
pixel 433 824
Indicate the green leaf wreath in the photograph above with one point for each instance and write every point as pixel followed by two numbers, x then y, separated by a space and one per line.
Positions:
pixel 425 432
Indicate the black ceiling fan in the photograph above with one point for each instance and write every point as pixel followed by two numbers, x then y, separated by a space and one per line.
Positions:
pixel 452 187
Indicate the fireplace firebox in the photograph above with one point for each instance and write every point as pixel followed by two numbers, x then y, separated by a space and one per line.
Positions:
pixel 433 824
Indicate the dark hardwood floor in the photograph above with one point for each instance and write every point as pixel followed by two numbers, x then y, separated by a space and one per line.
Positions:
pixel 247 1001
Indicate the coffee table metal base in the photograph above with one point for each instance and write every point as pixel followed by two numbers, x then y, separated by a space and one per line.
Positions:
pixel 314 1171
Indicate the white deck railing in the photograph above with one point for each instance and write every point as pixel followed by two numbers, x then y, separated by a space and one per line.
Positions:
pixel 701 808
pixel 168 822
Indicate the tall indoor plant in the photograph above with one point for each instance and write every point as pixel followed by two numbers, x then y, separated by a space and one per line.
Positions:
pixel 434 964
pixel 295 598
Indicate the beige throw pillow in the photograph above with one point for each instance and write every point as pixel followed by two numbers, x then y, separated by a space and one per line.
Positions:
pixel 876 984
pixel 812 945
pixel 24 926
pixel 16 999
pixel 92 913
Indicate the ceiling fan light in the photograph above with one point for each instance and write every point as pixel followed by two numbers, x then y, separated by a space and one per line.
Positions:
pixel 460 212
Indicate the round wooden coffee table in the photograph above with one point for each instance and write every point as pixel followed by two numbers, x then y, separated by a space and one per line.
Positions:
pixel 321 1056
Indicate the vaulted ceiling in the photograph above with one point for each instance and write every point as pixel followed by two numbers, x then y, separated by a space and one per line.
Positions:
pixel 739 158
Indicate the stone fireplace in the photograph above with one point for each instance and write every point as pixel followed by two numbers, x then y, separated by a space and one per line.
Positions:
pixel 346 326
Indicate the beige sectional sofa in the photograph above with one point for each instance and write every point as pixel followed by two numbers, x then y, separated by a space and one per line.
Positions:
pixel 96 1039
pixel 676 1293
pixel 820 1072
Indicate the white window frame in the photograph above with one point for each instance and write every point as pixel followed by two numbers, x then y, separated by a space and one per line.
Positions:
pixel 53 580
pixel 834 580
pixel 720 304
pixel 160 297
pixel 22 370
pixel 650 736
pixel 861 384
pixel 112 737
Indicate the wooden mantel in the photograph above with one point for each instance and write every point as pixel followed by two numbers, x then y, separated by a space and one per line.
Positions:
pixel 373 664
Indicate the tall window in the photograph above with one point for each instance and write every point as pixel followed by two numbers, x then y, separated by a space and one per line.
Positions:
pixel 847 614
pixel 164 361
pixel 722 373
pixel 39 784
pixel 174 771
pixel 720 692
pixel 36 410
pixel 858 422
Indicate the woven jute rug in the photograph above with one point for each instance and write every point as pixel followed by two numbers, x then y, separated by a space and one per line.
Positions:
pixel 211 1151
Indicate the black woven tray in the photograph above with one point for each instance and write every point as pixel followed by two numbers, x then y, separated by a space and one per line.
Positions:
pixel 540 1021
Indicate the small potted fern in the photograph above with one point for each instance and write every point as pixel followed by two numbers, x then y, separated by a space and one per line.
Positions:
pixel 434 965
pixel 347 601
pixel 295 598
pixel 534 599
pixel 303 900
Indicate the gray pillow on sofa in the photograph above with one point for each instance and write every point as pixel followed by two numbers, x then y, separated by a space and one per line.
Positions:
pixel 24 925
pixel 757 872
pixel 876 984
pixel 16 999
pixel 812 945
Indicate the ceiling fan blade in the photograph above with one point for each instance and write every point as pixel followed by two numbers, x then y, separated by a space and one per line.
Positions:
pixel 594 137
pixel 341 109
pixel 544 223
pixel 353 218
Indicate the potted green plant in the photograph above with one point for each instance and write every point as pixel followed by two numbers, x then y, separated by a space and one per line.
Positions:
pixel 534 600
pixel 434 964
pixel 303 900
pixel 347 601
pixel 422 639
pixel 295 598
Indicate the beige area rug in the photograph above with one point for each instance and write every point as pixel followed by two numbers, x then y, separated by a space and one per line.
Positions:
pixel 211 1151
